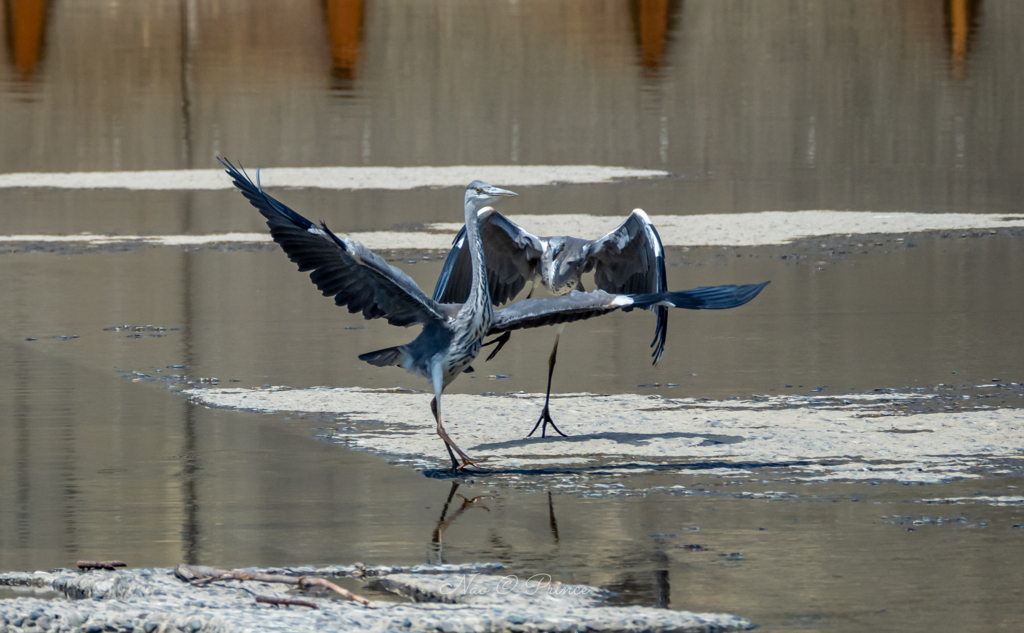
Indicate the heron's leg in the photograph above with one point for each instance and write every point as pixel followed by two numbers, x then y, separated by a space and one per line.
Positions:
pixel 545 414
pixel 440 431
pixel 435 406
pixel 500 340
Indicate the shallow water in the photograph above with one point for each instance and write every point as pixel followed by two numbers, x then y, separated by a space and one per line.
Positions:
pixel 751 106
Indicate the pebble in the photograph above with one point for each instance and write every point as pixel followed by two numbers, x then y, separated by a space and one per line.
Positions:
pixel 73 619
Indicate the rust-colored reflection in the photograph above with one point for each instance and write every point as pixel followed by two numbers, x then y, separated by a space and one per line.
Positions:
pixel 653 23
pixel 961 23
pixel 26 23
pixel 345 25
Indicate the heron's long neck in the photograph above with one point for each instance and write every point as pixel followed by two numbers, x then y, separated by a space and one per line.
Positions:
pixel 478 294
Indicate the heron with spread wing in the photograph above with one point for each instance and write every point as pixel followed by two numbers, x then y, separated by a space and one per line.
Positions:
pixel 628 260
pixel 452 333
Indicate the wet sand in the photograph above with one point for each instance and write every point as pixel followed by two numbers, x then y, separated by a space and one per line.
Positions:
pixel 848 437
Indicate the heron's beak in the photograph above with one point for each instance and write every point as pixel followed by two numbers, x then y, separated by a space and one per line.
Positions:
pixel 498 191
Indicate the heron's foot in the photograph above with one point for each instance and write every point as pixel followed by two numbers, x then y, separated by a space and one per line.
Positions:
pixel 501 340
pixel 545 419
pixel 471 463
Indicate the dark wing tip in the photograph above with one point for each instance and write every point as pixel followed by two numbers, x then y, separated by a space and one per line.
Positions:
pixel 660 334
pixel 749 291
pixel 236 173
pixel 708 297
pixel 731 296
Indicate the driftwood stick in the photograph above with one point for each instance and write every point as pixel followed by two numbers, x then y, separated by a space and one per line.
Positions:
pixel 201 575
pixel 289 602
pixel 100 564
pixel 327 584
pixel 195 573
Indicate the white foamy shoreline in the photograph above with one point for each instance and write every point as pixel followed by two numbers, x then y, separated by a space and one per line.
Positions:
pixel 740 229
pixel 333 177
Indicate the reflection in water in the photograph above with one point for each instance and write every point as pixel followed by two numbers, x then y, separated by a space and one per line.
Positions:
pixel 552 521
pixel 69 458
pixel 652 19
pixel 190 467
pixel 189 28
pixel 26 28
pixel 962 19
pixel 710 98
pixel 662 588
pixel 22 420
pixel 643 571
pixel 345 28
pixel 498 547
pixel 444 522
pixel 190 529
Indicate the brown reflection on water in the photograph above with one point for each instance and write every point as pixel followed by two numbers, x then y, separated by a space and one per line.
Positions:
pixel 962 18
pixel 785 105
pixel 345 27
pixel 26 28
pixel 653 17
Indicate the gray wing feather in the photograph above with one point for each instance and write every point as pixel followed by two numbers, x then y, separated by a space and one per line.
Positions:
pixel 575 306
pixel 511 255
pixel 631 260
pixel 625 261
pixel 353 274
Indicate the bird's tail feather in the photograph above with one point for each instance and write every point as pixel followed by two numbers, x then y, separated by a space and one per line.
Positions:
pixel 383 357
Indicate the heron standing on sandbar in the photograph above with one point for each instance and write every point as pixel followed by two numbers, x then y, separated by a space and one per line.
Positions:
pixel 452 333
pixel 628 260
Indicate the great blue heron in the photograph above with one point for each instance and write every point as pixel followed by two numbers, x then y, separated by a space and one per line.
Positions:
pixel 452 333
pixel 628 260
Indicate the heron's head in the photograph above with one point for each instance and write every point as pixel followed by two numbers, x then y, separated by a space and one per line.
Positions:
pixel 480 193
pixel 563 263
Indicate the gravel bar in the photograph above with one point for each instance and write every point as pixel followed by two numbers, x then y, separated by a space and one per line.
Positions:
pixel 450 598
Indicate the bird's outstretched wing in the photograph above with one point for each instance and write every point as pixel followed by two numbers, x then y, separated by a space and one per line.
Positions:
pixel 631 260
pixel 577 306
pixel 511 254
pixel 353 274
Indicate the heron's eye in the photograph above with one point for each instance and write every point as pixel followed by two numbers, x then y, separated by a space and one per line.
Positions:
pixel 479 190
